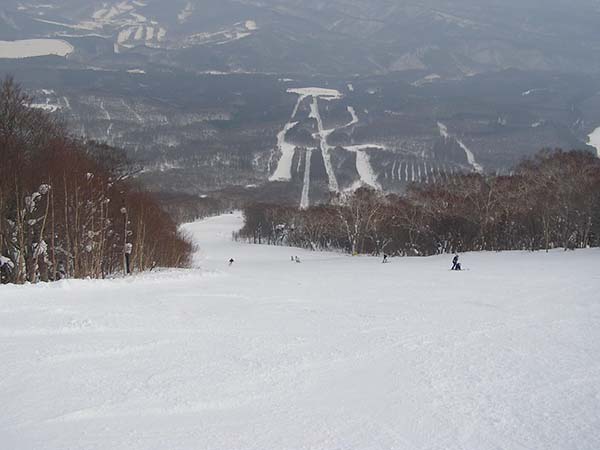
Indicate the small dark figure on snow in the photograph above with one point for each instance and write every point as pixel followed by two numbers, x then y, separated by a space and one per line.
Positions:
pixel 385 258
pixel 297 259
pixel 455 263
pixel 292 258
pixel 231 261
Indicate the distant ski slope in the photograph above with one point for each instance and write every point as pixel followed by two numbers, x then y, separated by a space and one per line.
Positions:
pixel 34 47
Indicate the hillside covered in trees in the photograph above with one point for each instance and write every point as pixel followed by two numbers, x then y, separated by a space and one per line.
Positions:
pixel 550 201
pixel 66 207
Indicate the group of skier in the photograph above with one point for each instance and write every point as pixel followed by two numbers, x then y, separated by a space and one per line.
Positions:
pixel 455 264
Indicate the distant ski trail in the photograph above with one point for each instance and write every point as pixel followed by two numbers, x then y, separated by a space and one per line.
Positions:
pixel 104 110
pixel 470 156
pixel 354 120
pixel 305 200
pixel 322 133
pixel 298 103
pixel 363 160
pixel 363 164
pixel 283 171
pixel 108 117
pixel 365 170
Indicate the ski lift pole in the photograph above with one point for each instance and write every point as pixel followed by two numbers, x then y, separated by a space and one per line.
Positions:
pixel 128 250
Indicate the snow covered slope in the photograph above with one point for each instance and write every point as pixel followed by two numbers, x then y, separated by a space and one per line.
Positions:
pixel 337 352
pixel 34 47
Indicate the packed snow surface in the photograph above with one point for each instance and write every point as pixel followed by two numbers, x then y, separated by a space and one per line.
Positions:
pixel 335 352
pixel 34 47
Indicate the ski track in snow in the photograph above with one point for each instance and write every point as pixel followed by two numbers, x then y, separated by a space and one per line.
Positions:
pixel 469 154
pixel 269 354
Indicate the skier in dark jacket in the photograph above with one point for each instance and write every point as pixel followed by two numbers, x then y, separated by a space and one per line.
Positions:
pixel 455 263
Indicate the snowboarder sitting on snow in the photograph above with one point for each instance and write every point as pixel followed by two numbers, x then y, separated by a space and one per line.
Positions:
pixel 231 261
pixel 455 263
pixel 297 259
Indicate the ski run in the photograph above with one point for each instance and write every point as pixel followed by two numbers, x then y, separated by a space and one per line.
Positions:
pixel 336 352
pixel 468 153
pixel 283 170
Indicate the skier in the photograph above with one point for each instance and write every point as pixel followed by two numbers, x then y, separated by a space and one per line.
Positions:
pixel 292 258
pixel 231 261
pixel 455 263
pixel 385 258
pixel 297 259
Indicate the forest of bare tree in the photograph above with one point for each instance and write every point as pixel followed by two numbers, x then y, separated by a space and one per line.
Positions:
pixel 550 201
pixel 67 209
